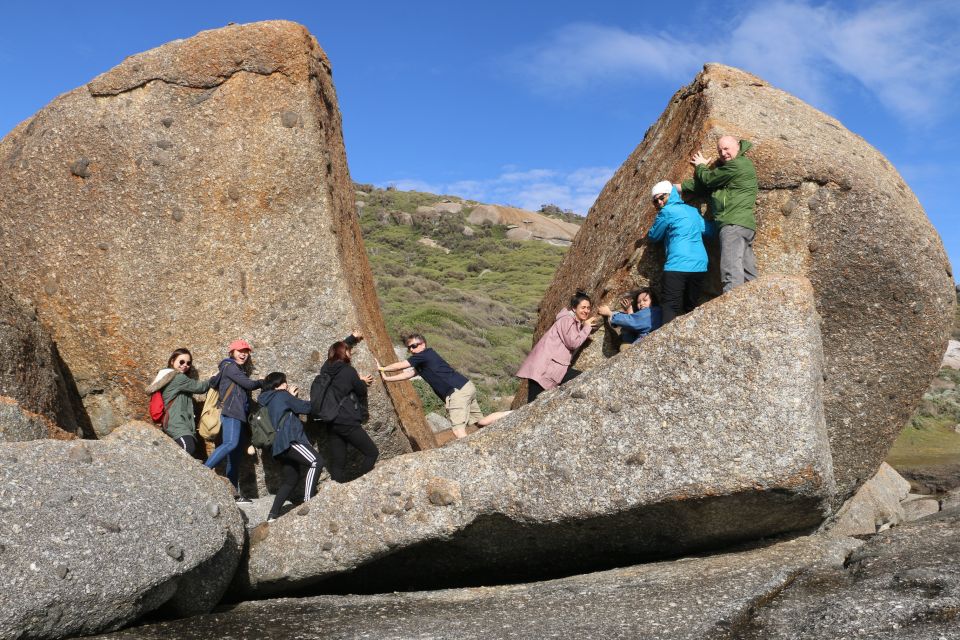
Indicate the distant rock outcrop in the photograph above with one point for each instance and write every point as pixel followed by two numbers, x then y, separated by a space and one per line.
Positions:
pixel 619 465
pixel 194 194
pixel 538 226
pixel 830 208
pixel 96 534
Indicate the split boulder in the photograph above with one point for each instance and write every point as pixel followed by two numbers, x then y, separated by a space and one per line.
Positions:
pixel 620 465
pixel 830 208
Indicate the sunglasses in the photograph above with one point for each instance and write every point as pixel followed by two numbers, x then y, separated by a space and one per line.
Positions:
pixel 413 345
pixel 186 362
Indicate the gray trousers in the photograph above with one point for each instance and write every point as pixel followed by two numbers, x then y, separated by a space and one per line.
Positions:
pixel 737 262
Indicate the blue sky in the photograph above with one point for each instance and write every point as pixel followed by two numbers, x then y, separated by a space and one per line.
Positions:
pixel 526 103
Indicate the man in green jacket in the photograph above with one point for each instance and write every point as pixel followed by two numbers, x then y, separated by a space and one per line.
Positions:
pixel 732 188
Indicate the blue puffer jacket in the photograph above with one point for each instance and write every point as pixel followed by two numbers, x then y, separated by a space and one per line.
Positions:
pixel 681 227
pixel 282 406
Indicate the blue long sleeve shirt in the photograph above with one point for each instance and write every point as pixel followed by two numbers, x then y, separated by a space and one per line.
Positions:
pixel 635 326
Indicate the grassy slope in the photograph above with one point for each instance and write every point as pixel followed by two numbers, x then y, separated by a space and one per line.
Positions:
pixel 929 438
pixel 476 305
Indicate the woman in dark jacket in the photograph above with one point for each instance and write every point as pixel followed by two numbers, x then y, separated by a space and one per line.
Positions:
pixel 179 421
pixel 349 390
pixel 234 384
pixel 291 448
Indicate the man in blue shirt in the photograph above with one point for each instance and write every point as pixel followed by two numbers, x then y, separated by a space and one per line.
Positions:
pixel 458 394
pixel 641 315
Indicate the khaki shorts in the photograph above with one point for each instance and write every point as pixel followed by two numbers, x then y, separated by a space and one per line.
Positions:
pixel 462 406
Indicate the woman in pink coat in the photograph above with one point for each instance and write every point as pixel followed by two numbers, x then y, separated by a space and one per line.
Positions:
pixel 548 364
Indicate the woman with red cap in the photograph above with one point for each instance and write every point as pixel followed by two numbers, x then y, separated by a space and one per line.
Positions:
pixel 234 384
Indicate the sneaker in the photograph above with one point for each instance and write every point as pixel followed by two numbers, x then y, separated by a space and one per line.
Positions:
pixel 242 499
pixel 271 517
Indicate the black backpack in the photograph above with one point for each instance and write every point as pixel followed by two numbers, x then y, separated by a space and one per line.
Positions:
pixel 324 405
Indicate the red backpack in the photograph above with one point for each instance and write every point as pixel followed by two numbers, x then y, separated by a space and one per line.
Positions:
pixel 159 411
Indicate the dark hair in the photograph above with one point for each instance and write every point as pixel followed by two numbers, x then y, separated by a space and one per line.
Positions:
pixel 274 380
pixel 178 352
pixel 579 297
pixel 411 336
pixel 339 350
pixel 635 297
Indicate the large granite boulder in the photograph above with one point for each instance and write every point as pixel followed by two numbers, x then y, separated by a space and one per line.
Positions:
pixel 95 534
pixel 831 208
pixel 31 371
pixel 691 599
pixel 194 194
pixel 622 464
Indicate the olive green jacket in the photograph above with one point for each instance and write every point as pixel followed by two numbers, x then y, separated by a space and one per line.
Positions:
pixel 177 391
pixel 732 188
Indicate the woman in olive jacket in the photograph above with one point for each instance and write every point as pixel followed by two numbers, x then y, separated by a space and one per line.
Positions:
pixel 179 421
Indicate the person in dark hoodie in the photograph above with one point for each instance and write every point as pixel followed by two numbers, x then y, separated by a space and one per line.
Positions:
pixel 177 385
pixel 234 384
pixel 349 390
pixel 732 188
pixel 291 448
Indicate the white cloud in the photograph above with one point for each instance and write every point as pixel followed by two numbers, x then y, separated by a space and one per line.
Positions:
pixel 906 53
pixel 528 189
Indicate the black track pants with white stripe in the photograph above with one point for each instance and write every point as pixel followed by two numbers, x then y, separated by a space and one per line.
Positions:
pixel 300 460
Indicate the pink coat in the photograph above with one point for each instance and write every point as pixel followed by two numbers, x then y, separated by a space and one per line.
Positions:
pixel 550 358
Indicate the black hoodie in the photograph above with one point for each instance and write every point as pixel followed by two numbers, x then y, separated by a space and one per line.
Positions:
pixel 344 381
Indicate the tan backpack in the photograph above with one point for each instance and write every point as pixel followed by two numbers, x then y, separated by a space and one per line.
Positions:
pixel 209 427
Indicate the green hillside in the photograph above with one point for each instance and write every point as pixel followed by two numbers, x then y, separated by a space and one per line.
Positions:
pixel 476 305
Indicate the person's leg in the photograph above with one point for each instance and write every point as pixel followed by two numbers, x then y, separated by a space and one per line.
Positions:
pixel 732 245
pixel 365 445
pixel 493 417
pixel 311 462
pixel 338 453
pixel 458 408
pixel 570 375
pixel 188 444
pixel 749 260
pixel 230 433
pixel 672 298
pixel 291 472
pixel 533 390
pixel 691 291
pixel 233 460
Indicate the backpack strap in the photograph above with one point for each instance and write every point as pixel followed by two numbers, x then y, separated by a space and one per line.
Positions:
pixel 221 401
pixel 166 412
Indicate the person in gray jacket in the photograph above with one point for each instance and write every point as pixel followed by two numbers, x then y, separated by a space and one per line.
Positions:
pixel 291 448
pixel 234 384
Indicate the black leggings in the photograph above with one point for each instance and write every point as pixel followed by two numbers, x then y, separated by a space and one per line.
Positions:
pixel 299 460
pixel 340 436
pixel 534 389
pixel 188 443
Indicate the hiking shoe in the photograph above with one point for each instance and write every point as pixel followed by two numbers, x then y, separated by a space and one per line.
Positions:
pixel 242 499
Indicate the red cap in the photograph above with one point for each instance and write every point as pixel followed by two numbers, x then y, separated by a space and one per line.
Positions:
pixel 239 345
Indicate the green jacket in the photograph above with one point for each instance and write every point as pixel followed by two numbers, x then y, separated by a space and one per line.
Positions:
pixel 180 416
pixel 732 187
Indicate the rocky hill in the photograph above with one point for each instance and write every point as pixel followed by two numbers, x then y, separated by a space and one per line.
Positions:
pixel 450 269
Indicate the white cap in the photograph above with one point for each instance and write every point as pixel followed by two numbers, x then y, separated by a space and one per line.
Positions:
pixel 662 187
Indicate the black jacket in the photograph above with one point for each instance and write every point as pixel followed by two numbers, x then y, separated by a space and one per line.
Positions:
pixel 346 381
